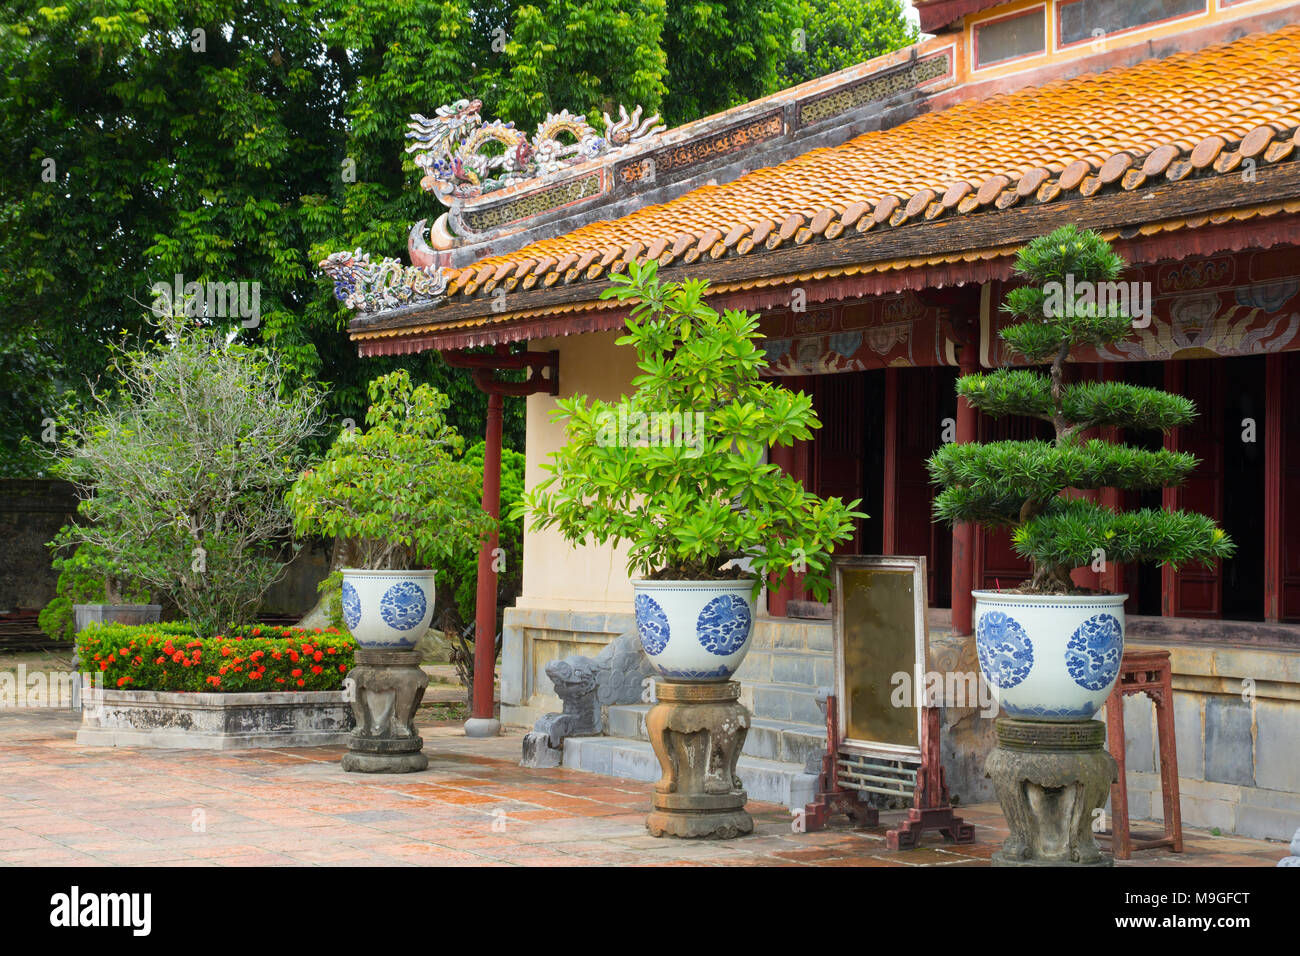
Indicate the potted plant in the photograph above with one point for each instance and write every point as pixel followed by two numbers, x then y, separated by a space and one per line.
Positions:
pixel 1050 649
pixel 678 472
pixel 399 497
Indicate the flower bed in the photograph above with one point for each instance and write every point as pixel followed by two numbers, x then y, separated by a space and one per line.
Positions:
pixel 169 657
pixel 159 685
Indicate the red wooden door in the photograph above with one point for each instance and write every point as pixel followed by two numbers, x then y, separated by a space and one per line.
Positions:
pixel 1195 590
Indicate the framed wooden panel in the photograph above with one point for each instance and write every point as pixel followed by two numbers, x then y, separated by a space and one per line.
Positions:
pixel 879 630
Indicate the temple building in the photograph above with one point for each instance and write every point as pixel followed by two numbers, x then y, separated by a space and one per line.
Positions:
pixel 871 219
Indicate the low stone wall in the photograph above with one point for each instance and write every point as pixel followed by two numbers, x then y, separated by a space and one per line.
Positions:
pixel 1237 724
pixel 146 718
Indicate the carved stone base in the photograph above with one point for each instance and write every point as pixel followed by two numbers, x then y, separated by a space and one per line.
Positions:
pixel 1050 777
pixel 697 731
pixel 387 689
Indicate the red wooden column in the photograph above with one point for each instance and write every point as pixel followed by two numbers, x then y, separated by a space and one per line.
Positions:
pixel 963 533
pixel 793 460
pixel 485 605
pixel 543 376
pixel 1274 437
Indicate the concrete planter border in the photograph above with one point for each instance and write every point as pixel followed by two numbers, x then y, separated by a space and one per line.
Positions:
pixel 212 721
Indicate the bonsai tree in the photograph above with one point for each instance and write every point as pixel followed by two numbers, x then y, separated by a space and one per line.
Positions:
pixel 181 470
pixel 1019 484
pixel 677 469
pixel 397 494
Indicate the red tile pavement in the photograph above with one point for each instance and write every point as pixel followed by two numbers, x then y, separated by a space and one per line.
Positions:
pixel 65 804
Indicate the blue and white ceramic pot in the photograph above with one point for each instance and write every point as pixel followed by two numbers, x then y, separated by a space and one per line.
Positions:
pixel 387 610
pixel 1047 656
pixel 695 630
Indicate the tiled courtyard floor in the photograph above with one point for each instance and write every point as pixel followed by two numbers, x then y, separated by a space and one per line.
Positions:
pixel 65 804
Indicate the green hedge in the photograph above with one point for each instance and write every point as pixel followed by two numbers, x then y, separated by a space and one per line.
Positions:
pixel 170 657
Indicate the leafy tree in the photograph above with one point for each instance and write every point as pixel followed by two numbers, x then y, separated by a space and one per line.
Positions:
pixel 825 37
pixel 243 140
pixel 182 469
pixel 677 469
pixel 1018 484
pixel 722 53
pixel 398 492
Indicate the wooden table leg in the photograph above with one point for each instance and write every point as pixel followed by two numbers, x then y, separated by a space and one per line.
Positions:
pixel 1121 844
pixel 1169 765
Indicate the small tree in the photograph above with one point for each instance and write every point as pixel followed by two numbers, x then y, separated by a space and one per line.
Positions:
pixel 181 472
pixel 398 493
pixel 677 470
pixel 1018 484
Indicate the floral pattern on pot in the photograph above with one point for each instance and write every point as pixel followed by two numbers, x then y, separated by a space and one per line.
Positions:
pixel 723 625
pixel 351 605
pixel 652 623
pixel 403 605
pixel 1093 655
pixel 1006 654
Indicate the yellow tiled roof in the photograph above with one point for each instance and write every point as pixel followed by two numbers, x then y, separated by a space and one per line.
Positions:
pixel 1162 118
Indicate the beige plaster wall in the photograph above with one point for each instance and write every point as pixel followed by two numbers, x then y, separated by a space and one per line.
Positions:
pixel 556 575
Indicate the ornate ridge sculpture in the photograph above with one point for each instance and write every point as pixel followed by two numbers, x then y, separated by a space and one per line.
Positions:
pixel 379 286
pixel 452 147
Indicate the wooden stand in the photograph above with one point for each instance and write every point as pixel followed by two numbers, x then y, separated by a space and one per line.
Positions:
pixel 1150 673
pixel 930 810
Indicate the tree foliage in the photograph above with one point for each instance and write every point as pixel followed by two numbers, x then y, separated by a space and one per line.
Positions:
pixel 1019 484
pixel 398 491
pixel 825 37
pixel 181 471
pixel 243 140
pixel 677 470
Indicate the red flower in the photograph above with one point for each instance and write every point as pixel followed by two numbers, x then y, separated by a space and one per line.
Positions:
pixel 296 672
pixel 225 652
pixel 317 656
pixel 343 668
pixel 316 668
pixel 257 631
pixel 302 683
pixel 279 680
pixel 177 657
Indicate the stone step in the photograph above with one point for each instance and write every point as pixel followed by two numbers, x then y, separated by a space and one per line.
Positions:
pixel 812 668
pixel 783 741
pixel 766 780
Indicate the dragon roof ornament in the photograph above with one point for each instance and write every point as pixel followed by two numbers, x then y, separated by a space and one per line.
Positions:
pixel 454 147
pixel 367 286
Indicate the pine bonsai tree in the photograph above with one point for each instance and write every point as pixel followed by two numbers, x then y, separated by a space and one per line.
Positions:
pixel 1018 484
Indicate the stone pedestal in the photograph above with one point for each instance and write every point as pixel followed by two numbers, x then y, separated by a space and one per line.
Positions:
pixel 697 731
pixel 387 689
pixel 1050 777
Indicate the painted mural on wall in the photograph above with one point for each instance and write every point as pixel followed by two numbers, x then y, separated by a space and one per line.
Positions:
pixel 872 333
pixel 1221 306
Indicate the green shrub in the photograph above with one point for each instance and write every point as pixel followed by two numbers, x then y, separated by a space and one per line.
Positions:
pixel 693 494
pixel 171 657
pixel 83 579
pixel 398 490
